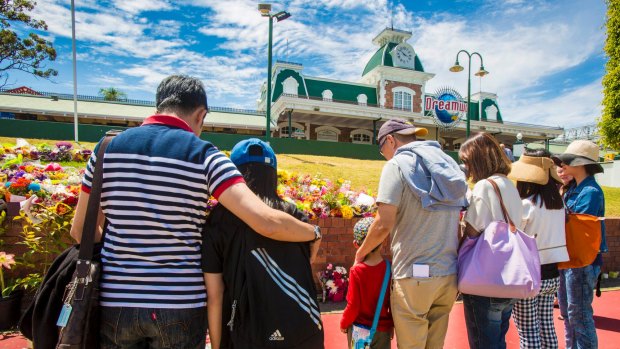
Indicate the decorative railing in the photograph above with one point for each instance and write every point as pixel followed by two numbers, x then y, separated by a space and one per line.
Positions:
pixel 426 113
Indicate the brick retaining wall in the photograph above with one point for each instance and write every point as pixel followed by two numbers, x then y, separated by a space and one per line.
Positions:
pixel 337 245
pixel 611 260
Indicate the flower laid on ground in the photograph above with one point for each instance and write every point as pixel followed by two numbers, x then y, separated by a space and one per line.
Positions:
pixel 334 282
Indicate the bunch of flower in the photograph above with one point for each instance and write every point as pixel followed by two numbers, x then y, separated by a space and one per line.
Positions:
pixel 320 198
pixel 334 282
pixel 61 151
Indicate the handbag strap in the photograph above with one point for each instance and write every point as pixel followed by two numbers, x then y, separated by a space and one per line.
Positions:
pixel 513 227
pixel 375 320
pixel 89 229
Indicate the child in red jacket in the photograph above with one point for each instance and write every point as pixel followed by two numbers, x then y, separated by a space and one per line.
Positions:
pixel 365 281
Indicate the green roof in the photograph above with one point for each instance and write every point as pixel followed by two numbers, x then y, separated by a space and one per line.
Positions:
pixel 383 57
pixel 341 91
pixel 283 75
pixel 475 115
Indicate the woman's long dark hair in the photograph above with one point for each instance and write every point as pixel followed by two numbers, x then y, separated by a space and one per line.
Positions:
pixel 548 193
pixel 262 179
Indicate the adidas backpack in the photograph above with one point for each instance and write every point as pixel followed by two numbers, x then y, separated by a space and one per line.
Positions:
pixel 269 285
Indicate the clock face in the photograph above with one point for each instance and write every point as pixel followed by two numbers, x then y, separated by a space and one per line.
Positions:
pixel 404 55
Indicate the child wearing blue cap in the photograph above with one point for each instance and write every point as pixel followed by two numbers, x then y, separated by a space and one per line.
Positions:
pixel 260 291
pixel 365 283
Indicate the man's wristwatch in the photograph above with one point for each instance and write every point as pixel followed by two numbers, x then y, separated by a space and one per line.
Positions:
pixel 317 233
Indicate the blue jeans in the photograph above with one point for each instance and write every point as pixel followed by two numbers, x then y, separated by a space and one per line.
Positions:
pixel 141 328
pixel 575 297
pixel 487 321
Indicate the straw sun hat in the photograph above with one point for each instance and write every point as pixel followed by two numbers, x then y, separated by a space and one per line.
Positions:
pixel 534 169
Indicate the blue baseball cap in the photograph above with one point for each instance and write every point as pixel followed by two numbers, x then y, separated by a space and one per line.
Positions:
pixel 261 153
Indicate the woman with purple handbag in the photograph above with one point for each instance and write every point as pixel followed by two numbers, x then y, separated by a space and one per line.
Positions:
pixel 487 318
pixel 543 218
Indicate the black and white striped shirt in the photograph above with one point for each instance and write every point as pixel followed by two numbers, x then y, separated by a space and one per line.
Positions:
pixel 157 179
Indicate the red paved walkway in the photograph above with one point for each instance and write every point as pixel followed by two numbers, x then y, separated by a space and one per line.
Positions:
pixel 606 317
pixel 606 310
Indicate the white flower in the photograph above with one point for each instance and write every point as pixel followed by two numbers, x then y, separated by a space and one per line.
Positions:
pixel 341 270
pixel 364 200
pixel 331 286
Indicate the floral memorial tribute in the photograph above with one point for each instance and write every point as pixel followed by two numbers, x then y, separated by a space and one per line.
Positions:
pixel 334 283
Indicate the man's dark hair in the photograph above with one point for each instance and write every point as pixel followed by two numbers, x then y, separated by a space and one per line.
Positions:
pixel 180 94
pixel 547 193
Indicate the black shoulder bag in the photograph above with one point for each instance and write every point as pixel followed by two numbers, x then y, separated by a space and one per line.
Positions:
pixel 65 311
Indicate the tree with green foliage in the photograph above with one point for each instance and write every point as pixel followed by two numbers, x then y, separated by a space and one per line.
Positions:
pixel 609 124
pixel 112 94
pixel 26 52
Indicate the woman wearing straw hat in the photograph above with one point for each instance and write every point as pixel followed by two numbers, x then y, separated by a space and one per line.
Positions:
pixel 580 160
pixel 543 217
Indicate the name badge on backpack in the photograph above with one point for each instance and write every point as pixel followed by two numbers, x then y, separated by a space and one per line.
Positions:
pixel 64 315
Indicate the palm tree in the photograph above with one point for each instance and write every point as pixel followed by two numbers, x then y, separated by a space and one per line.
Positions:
pixel 112 94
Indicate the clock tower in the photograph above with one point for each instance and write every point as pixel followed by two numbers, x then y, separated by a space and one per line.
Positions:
pixel 397 71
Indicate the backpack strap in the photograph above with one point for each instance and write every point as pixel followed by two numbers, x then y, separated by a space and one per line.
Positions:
pixel 375 321
pixel 513 227
pixel 92 211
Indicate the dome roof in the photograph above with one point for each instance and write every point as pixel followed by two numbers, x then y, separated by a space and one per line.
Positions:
pixel 384 58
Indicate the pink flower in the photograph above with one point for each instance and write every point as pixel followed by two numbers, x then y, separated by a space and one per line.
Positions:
pixel 6 260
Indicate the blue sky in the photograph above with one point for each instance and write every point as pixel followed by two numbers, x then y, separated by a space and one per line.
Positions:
pixel 546 58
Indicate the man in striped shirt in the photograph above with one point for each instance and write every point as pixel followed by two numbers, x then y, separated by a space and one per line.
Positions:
pixel 157 179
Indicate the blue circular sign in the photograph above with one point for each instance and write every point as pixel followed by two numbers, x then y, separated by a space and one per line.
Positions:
pixel 447 107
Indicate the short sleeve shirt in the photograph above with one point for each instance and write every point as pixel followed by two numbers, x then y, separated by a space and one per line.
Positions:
pixel 156 184
pixel 484 206
pixel 419 236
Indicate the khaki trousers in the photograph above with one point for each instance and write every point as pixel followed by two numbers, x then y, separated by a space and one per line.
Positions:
pixel 420 308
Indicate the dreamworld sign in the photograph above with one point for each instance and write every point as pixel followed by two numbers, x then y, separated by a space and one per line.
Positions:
pixel 447 107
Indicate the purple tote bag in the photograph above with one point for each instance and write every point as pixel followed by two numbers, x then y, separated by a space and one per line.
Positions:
pixel 502 262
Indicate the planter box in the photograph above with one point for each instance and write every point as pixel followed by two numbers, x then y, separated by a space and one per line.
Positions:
pixel 12 208
pixel 10 310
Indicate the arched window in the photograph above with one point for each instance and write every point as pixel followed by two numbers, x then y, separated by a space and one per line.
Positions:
pixel 298 130
pixel 362 99
pixel 327 95
pixel 403 98
pixel 327 134
pixel 491 112
pixel 290 86
pixel 361 136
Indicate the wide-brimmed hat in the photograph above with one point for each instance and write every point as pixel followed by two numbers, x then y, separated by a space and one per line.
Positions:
pixel 534 169
pixel 581 153
pixel 400 126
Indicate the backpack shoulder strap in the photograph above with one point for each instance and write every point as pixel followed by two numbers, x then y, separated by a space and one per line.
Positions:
pixel 92 210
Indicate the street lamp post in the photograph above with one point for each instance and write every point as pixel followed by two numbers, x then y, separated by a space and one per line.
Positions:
pixel 265 11
pixel 457 68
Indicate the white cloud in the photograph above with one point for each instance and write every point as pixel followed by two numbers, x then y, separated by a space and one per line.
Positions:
pixel 524 45
pixel 137 6
pixel 578 107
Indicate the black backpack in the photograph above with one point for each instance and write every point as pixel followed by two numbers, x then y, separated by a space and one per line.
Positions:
pixel 269 285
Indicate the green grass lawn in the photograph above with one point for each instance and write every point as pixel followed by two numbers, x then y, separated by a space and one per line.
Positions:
pixel 363 174
pixel 612 202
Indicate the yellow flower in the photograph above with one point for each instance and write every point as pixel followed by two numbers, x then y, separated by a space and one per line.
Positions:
pixel 347 212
